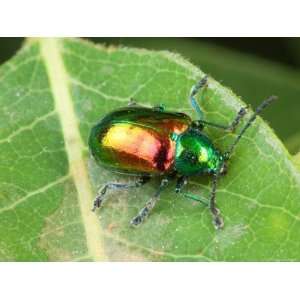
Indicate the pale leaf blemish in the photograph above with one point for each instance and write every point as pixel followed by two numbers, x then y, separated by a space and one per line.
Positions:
pixel 230 235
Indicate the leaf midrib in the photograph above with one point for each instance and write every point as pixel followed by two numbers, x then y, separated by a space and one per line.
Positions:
pixel 59 84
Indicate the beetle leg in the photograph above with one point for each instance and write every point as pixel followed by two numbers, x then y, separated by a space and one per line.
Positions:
pixel 144 212
pixel 132 102
pixel 231 127
pixel 159 107
pixel 195 89
pixel 217 219
pixel 181 182
pixel 195 198
pixel 116 186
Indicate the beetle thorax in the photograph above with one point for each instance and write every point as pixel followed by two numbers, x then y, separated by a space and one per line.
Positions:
pixel 195 154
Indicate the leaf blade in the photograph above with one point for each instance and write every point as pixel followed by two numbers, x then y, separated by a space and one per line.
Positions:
pixel 258 198
pixel 58 77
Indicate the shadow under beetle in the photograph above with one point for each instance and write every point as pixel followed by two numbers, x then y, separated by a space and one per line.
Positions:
pixel 148 142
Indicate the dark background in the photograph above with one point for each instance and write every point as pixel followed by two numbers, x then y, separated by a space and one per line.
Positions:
pixel 282 50
pixel 253 68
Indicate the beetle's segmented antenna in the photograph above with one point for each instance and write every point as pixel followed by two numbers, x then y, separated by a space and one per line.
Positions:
pixel 262 106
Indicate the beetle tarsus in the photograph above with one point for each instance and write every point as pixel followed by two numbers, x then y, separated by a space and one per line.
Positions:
pixel 218 223
pixel 199 85
pixel 97 203
pixel 131 102
pixel 136 221
pixel 144 212
pixel 242 112
pixel 181 182
pixel 140 217
pixel 217 219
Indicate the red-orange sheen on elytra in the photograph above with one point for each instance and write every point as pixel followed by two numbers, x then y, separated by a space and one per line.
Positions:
pixel 138 140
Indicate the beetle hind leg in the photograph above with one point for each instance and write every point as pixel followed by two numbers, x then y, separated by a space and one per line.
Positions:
pixel 117 186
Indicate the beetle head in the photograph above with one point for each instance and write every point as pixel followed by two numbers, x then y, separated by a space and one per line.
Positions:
pixel 196 155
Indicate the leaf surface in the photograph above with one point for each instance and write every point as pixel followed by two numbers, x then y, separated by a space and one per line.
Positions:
pixel 296 160
pixel 54 90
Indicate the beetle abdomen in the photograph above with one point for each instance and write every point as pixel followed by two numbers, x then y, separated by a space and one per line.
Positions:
pixel 137 140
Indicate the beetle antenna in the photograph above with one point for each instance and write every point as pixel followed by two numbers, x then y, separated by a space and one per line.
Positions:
pixel 262 106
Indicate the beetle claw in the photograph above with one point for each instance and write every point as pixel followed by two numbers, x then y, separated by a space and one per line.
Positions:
pixel 218 222
pixel 97 203
pixel 217 219
pixel 136 221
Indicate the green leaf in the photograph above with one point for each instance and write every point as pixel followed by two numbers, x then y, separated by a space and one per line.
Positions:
pixel 54 90
pixel 296 160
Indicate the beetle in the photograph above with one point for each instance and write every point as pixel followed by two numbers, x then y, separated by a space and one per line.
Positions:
pixel 147 142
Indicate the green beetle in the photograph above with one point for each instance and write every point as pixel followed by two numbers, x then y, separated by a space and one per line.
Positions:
pixel 147 142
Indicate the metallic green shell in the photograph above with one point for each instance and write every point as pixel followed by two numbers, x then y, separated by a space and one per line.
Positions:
pixel 195 154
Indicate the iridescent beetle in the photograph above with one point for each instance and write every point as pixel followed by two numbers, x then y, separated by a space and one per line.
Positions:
pixel 148 142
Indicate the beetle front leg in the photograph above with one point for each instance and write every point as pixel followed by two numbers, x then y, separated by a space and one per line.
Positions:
pixel 181 182
pixel 231 127
pixel 217 218
pixel 144 212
